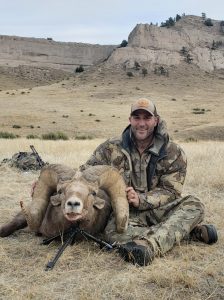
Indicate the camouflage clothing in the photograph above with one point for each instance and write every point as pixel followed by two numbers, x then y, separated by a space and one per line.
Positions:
pixel 157 175
pixel 24 161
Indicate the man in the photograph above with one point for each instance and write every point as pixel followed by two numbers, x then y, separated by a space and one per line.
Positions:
pixel 154 170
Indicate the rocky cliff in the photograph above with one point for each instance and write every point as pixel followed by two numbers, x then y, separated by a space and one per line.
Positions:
pixel 15 51
pixel 189 41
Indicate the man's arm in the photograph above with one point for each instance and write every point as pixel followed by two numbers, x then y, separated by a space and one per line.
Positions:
pixel 170 182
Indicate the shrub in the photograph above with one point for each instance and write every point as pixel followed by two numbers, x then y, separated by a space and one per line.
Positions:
pixel 16 126
pixel 183 51
pixel 7 135
pixel 123 44
pixel 130 74
pixel 55 136
pixel 168 23
pixel 203 15
pixel 84 137
pixel 188 58
pixel 222 26
pixel 161 71
pixel 144 72
pixel 208 22
pixel 216 45
pixel 178 17
pixel 32 136
pixel 191 139
pixel 137 66
pixel 198 111
pixel 79 69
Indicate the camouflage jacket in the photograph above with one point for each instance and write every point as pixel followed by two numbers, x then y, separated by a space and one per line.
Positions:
pixel 165 172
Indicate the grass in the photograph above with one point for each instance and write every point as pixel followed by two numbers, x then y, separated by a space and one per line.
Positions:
pixel 32 136
pixel 7 135
pixel 55 136
pixel 189 271
pixel 84 137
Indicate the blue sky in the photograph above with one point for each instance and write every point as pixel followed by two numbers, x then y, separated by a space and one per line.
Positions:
pixel 96 21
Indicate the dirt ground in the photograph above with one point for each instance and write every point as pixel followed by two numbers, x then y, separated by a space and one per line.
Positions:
pixel 96 103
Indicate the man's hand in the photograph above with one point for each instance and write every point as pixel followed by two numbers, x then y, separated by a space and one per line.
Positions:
pixel 132 197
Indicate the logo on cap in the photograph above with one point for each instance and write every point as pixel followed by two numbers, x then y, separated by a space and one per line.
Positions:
pixel 143 103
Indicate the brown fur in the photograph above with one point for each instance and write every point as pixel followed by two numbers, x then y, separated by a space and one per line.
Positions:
pixel 46 214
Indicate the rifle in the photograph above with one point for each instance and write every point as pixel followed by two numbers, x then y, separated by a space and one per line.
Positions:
pixel 39 159
pixel 70 234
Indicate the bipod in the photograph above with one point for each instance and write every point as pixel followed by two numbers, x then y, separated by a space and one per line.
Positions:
pixel 70 234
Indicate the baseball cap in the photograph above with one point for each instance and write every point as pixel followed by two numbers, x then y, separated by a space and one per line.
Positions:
pixel 144 104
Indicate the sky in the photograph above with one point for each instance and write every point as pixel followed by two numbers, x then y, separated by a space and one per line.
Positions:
pixel 97 21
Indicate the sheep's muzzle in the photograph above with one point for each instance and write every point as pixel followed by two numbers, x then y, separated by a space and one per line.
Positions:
pixel 74 217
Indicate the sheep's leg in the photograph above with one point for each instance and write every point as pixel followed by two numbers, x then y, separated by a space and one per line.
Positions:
pixel 18 222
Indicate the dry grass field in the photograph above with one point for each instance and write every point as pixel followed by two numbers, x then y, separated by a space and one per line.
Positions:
pixel 190 271
pixel 96 104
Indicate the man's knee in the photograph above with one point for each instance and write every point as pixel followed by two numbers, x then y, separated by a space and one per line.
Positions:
pixel 193 205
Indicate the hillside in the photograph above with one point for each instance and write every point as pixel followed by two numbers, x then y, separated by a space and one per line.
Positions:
pixel 96 103
pixel 15 51
pixel 188 41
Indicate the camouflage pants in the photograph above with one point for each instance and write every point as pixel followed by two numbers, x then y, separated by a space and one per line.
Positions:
pixel 163 227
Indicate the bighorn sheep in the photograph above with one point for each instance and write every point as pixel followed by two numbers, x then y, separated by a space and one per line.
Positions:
pixel 63 197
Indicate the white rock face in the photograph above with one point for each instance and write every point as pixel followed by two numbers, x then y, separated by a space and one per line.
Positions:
pixel 15 51
pixel 148 44
pixel 160 45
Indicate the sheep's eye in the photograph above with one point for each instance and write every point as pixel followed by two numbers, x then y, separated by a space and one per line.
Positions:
pixel 60 191
pixel 93 193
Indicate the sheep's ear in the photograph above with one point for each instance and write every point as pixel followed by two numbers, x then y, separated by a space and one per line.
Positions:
pixel 98 203
pixel 56 199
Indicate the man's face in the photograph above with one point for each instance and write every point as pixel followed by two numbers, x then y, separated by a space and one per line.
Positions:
pixel 142 124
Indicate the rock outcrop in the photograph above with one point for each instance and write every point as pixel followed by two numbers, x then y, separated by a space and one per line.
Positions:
pixel 189 40
pixel 15 51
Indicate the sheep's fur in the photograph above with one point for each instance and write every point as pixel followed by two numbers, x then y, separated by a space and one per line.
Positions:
pixel 59 188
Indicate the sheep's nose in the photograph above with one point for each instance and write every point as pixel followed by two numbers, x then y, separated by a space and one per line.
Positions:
pixel 73 204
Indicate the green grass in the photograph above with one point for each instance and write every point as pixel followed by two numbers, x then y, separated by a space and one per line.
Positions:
pixel 55 136
pixel 32 136
pixel 84 137
pixel 7 135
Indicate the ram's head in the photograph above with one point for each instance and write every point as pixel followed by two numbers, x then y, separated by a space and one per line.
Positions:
pixel 79 197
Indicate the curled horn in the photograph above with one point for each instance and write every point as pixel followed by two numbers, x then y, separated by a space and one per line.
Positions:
pixel 110 180
pixel 46 185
